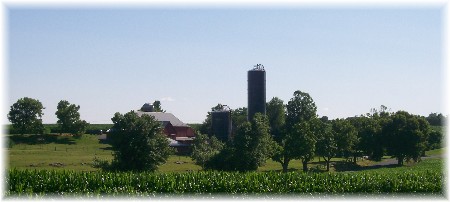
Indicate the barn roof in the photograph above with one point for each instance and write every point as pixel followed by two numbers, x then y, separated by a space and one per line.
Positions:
pixel 164 117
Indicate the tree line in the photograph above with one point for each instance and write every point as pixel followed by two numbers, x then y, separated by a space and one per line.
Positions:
pixel 138 142
pixel 287 132
pixel 26 113
pixel 294 131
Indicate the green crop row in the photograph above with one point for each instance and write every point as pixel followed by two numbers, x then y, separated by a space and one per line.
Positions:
pixel 43 182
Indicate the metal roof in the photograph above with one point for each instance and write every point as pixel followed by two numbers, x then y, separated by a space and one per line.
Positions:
pixel 164 117
pixel 174 143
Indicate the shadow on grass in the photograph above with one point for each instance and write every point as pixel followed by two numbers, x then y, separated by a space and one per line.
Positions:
pixel 339 166
pixel 281 170
pixel 348 166
pixel 41 139
pixel 107 148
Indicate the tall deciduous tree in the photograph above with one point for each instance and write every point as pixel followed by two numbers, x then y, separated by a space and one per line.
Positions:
pixel 299 111
pixel 276 112
pixel 370 135
pixel 138 143
pixel 346 137
pixel 204 148
pixel 406 136
pixel 306 143
pixel 26 116
pixel 326 144
pixel 300 108
pixel 69 118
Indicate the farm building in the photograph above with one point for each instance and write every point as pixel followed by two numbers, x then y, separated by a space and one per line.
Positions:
pixel 179 133
pixel 173 127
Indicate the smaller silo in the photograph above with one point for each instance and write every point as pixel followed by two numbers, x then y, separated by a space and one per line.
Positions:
pixel 221 123
pixel 147 107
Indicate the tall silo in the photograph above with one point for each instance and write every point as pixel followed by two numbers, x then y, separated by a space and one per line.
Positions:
pixel 256 78
pixel 221 123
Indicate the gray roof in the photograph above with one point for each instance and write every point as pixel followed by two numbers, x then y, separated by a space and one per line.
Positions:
pixel 174 143
pixel 163 117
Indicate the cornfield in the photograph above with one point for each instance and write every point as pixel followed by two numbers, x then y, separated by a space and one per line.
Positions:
pixel 70 183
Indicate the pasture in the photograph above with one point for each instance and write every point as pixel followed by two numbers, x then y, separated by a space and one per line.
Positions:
pixel 54 152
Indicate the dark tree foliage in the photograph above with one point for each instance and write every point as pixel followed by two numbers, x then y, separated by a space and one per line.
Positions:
pixel 436 119
pixel 225 160
pixel 26 116
pixel 206 127
pixel 326 144
pixel 69 118
pixel 370 137
pixel 238 117
pixel 406 136
pixel 346 137
pixel 204 148
pixel 300 110
pixel 324 119
pixel 305 132
pixel 157 106
pixel 434 140
pixel 276 112
pixel 138 143
pixel 249 149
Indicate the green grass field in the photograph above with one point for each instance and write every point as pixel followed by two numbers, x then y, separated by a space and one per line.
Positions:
pixel 58 153
pixel 70 153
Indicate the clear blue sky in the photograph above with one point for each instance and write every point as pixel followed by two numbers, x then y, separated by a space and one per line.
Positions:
pixel 114 60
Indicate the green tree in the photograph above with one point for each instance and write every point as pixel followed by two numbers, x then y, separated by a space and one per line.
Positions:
pixel 434 140
pixel 300 108
pixel 406 136
pixel 299 111
pixel 138 143
pixel 276 113
pixel 238 117
pixel 326 144
pixel 381 117
pixel 369 135
pixel 69 118
pixel 157 106
pixel 306 143
pixel 346 137
pixel 26 116
pixel 250 148
pixel 436 119
pixel 204 148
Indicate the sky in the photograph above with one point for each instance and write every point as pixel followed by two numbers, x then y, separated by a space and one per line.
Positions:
pixel 107 60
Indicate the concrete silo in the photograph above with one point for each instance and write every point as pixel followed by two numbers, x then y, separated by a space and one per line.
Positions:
pixel 221 123
pixel 256 78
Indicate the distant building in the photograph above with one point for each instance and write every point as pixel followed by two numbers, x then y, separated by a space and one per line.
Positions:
pixel 180 134
pixel 173 127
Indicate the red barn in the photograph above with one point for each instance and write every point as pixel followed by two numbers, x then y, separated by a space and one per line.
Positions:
pixel 173 127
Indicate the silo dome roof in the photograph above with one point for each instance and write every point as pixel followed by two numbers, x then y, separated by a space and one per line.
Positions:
pixel 147 107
